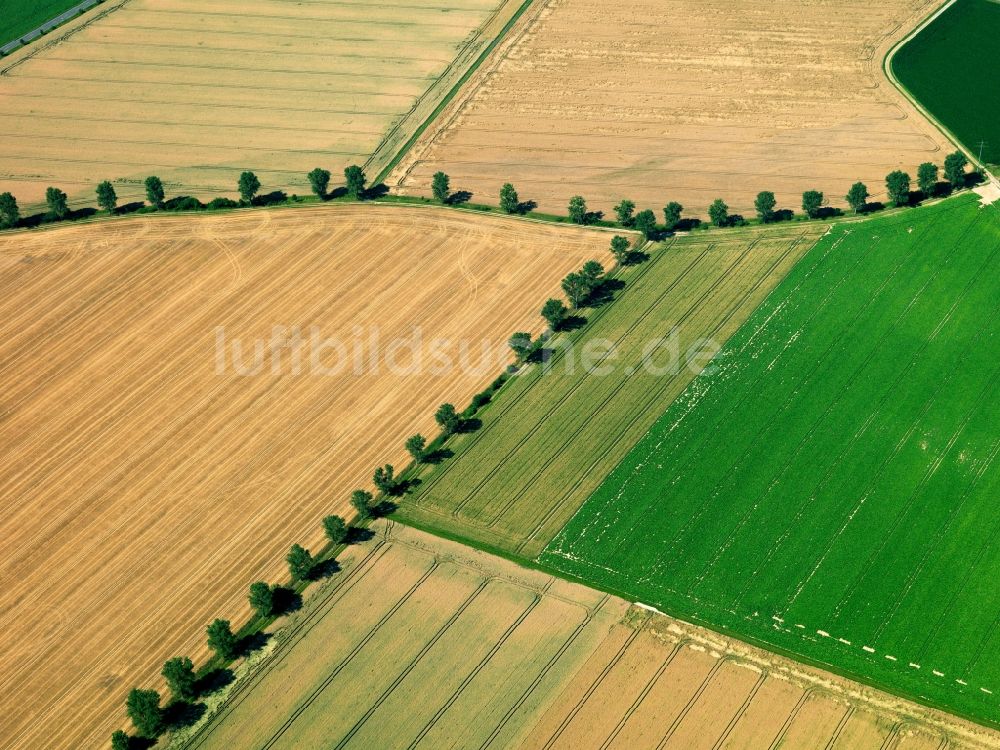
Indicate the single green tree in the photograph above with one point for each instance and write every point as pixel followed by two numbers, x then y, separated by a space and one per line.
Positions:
pixel 335 529
pixel 447 418
pixel 361 501
pixel 441 187
pixel 954 169
pixel 765 204
pixel 812 201
pixel 578 210
pixel 577 288
pixel 222 640
pixel 416 445
pixel 384 479
pixel 624 212
pixel 510 203
pixel 107 198
pixel 155 193
pixel 857 196
pixel 143 708
pixel 672 215
pixel 319 181
pixel 355 181
pixel 261 597
pixel 520 343
pixel 897 185
pixel 9 213
pixel 718 213
pixel 300 562
pixel 620 248
pixel 248 186
pixel 180 677
pixel 57 202
pixel 645 222
pixel 592 271
pixel 554 312
pixel 927 178
pixel 120 741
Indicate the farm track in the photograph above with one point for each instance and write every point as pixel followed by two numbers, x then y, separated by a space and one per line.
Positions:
pixel 622 676
pixel 115 323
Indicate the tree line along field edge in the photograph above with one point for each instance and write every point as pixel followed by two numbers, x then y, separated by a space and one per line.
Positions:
pixel 740 534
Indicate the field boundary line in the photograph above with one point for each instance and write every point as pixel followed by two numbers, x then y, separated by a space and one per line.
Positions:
pixel 305 704
pixel 647 688
pixel 914 101
pixel 592 688
pixel 738 716
pixel 679 719
pixel 536 600
pixel 560 652
pixel 656 396
pixel 483 584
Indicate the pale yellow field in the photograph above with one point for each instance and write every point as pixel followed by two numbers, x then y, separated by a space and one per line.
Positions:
pixel 423 643
pixel 686 100
pixel 144 488
pixel 196 92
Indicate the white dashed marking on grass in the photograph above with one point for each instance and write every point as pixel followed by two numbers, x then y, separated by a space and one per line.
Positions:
pixel 936 673
pixel 869 649
pixel 890 657
pixel 823 633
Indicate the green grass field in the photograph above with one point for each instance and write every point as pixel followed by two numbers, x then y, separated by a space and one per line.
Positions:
pixel 21 16
pixel 831 489
pixel 552 436
pixel 946 68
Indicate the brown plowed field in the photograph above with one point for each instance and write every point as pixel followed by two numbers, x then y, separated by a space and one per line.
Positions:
pixel 142 489
pixel 423 643
pixel 198 91
pixel 686 100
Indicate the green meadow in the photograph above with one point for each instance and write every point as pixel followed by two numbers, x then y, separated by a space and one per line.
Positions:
pixel 829 488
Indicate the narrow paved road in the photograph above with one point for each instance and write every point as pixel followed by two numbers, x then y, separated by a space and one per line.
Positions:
pixel 48 26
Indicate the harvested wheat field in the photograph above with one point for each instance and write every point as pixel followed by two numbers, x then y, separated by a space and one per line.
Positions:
pixel 147 480
pixel 198 91
pixel 683 100
pixel 422 642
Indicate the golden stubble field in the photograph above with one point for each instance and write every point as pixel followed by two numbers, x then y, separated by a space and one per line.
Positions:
pixel 423 643
pixel 144 487
pixel 686 100
pixel 196 92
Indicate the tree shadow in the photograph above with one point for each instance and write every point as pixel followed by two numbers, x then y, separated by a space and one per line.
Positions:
pixel 974 178
pixel 828 212
pixel 604 292
pixel 337 192
pixel 140 743
pixel 182 203
pixel 784 214
pixel 870 208
pixel 376 191
pixel 181 714
pixel 593 217
pixel 572 323
pixel 214 681
pixel 437 456
pixel 324 569
pixel 525 207
pixel 253 642
pixel 686 225
pixel 387 507
pixel 270 199
pixel 635 257
pixel 357 535
pixel 458 198
pixel 467 426
pixel 129 208
pixel 284 601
